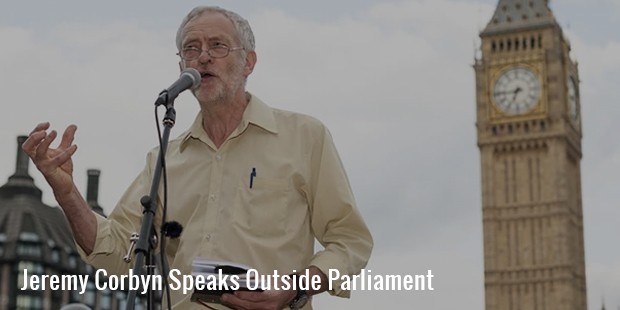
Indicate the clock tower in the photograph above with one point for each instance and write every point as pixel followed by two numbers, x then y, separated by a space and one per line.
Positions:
pixel 529 135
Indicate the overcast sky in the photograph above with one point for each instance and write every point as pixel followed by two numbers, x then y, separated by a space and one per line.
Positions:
pixel 393 80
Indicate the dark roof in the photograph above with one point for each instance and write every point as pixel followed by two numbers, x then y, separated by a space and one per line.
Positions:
pixel 23 219
pixel 513 15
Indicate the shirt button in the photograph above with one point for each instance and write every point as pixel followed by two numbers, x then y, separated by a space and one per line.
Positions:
pixel 212 197
pixel 218 157
pixel 208 237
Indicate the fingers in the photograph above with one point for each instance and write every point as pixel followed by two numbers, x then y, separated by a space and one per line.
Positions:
pixel 34 138
pixel 64 156
pixel 37 146
pixel 44 144
pixel 41 126
pixel 250 296
pixel 235 302
pixel 252 300
pixel 54 163
pixel 67 136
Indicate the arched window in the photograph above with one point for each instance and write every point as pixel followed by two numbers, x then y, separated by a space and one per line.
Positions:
pixel 73 261
pixel 28 298
pixel 2 240
pixel 32 302
pixel 516 44
pixel 29 244
pixel 121 299
pixel 55 255
pixel 106 300
pixel 75 296
pixel 90 296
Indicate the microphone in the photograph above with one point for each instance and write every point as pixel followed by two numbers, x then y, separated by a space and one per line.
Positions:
pixel 172 229
pixel 190 78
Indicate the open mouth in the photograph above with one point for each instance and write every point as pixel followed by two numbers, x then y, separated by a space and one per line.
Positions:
pixel 206 75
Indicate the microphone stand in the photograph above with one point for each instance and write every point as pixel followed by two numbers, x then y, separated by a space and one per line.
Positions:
pixel 147 239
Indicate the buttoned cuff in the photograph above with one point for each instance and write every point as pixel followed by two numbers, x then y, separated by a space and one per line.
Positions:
pixel 328 261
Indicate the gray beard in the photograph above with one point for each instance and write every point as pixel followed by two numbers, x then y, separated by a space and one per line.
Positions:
pixel 225 94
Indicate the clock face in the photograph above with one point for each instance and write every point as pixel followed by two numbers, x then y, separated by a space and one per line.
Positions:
pixel 573 111
pixel 516 91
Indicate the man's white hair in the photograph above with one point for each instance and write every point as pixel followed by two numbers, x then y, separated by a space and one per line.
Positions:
pixel 244 31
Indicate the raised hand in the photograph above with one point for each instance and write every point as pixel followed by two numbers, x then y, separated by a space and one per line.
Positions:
pixel 54 163
pixel 57 167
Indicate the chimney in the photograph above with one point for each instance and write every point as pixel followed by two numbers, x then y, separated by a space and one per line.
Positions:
pixel 92 190
pixel 20 183
pixel 22 162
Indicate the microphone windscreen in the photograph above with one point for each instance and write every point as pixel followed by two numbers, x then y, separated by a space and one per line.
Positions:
pixel 194 75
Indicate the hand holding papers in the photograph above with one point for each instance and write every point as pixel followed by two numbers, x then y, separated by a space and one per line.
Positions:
pixel 214 278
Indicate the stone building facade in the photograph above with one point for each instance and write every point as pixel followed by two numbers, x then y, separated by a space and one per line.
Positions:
pixel 529 135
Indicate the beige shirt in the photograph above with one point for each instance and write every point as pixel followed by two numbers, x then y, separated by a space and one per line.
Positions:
pixel 300 192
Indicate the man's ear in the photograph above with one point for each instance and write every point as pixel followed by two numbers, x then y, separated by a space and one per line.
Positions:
pixel 181 66
pixel 250 62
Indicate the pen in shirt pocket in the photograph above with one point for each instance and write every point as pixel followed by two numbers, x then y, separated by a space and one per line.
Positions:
pixel 252 176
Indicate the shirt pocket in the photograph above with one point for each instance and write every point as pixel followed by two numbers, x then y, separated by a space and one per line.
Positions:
pixel 262 209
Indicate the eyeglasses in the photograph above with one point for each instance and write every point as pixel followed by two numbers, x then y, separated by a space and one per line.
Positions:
pixel 218 51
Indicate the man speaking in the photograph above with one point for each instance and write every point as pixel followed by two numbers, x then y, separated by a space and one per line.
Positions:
pixel 249 183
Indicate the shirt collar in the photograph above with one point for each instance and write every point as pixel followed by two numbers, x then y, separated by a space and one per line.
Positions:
pixel 260 114
pixel 257 113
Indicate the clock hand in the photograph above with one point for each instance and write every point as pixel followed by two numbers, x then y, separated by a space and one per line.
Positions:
pixel 516 92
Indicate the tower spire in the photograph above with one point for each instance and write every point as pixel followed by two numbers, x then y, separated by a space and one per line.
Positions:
pixel 513 15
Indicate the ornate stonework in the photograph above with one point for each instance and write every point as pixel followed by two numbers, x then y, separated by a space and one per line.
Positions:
pixel 529 135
